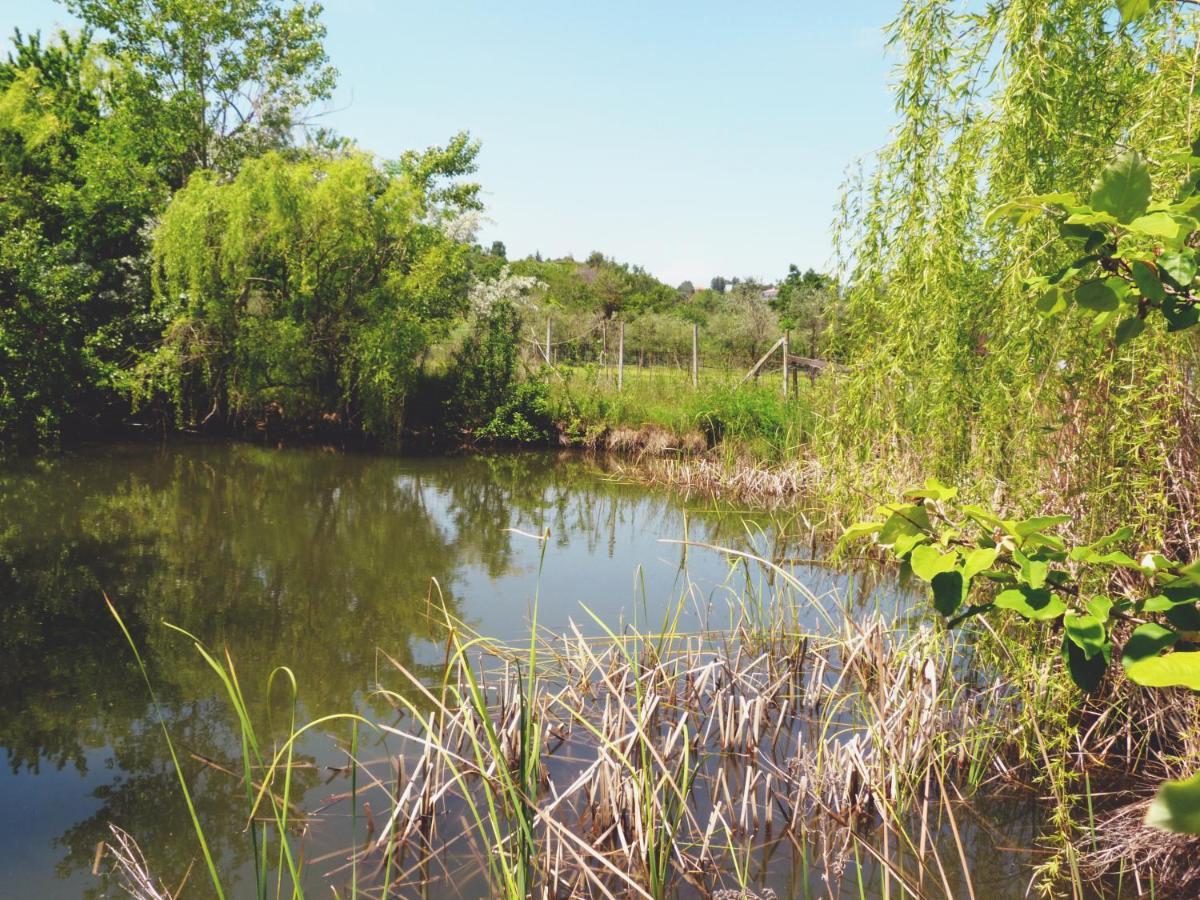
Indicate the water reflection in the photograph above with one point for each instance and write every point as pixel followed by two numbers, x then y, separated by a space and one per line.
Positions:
pixel 304 558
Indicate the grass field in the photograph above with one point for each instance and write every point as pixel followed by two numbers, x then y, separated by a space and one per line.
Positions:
pixel 752 418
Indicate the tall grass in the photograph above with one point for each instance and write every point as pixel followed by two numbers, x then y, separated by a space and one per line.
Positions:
pixel 273 788
pixel 651 760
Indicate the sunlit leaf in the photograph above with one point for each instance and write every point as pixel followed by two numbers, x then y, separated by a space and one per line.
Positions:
pixel 1123 188
pixel 1176 807
pixel 1171 670
pixel 927 562
pixel 1039 605
pixel 977 560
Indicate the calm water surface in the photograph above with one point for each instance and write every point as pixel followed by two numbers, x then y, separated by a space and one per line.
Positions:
pixel 304 558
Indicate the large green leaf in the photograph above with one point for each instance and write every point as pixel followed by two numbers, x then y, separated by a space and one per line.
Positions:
pixel 1097 296
pixel 949 592
pixel 1086 671
pixel 1087 632
pixel 1179 315
pixel 1163 225
pixel 1033 571
pixel 934 490
pixel 928 561
pixel 1146 642
pixel 977 560
pixel 1176 807
pixel 1128 329
pixel 1037 524
pixel 1146 279
pixel 910 521
pixel 1171 670
pixel 1051 302
pixel 1123 188
pixel 1038 605
pixel 1179 267
pixel 1132 10
pixel 1100 607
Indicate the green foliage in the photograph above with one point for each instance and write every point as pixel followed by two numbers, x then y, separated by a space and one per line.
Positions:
pixel 524 417
pixel 962 358
pixel 308 286
pixel 484 370
pixel 215 81
pixel 1023 567
pixel 1177 807
pixel 808 303
pixel 75 186
pixel 1139 256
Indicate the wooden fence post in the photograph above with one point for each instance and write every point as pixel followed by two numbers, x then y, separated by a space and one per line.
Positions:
pixel 620 355
pixel 695 355
pixel 786 335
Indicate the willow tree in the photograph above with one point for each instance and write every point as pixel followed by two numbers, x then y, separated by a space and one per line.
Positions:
pixel 308 287
pixel 954 371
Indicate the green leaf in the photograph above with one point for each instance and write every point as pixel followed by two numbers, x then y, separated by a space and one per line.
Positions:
pixel 905 543
pixel 1123 533
pixel 1128 330
pixel 1132 10
pixel 905 520
pixel 1176 807
pixel 1178 315
pixel 983 517
pixel 860 530
pixel 1021 209
pixel 1171 670
pixel 1100 607
pixel 1163 225
pixel 1087 631
pixel 1033 572
pixel 934 490
pixel 1161 603
pixel 1179 266
pixel 1185 617
pixel 1037 524
pixel 1097 296
pixel 1123 188
pixel 928 562
pixel 1051 302
pixel 1090 217
pixel 1038 605
pixel 1086 671
pixel 977 560
pixel 1146 642
pixel 1146 278
pixel 1115 558
pixel 949 592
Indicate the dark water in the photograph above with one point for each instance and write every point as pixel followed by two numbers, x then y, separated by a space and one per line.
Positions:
pixel 303 558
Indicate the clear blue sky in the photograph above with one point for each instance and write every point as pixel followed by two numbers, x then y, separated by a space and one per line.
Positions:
pixel 693 138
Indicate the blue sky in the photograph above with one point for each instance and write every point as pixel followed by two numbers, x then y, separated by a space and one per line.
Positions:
pixel 693 138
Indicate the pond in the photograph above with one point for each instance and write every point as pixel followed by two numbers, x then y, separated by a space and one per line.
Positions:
pixel 317 560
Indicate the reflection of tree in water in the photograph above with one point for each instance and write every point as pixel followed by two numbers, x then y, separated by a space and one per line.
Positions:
pixel 300 558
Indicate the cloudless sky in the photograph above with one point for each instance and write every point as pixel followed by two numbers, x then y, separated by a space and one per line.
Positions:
pixel 693 138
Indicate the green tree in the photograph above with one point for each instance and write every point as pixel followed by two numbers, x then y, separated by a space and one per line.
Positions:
pixel 76 184
pixel 215 80
pixel 308 288
pixel 806 302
